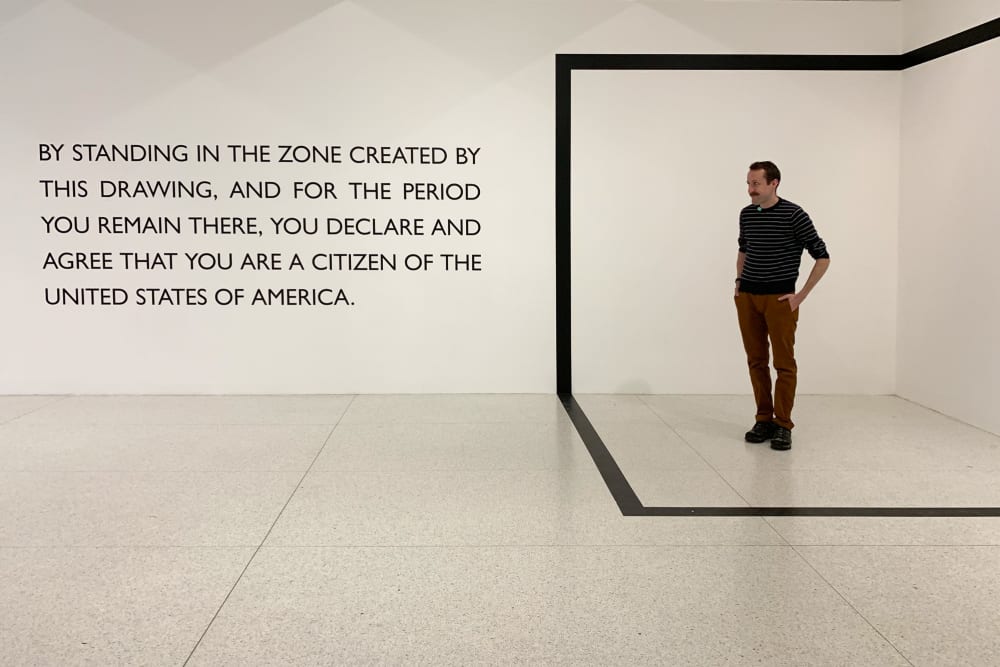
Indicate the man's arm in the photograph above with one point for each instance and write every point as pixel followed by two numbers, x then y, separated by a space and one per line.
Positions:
pixel 741 257
pixel 819 268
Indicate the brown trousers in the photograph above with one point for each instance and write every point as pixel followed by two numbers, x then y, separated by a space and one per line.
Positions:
pixel 761 317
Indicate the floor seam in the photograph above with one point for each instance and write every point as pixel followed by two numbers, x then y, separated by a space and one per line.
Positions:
pixel 268 534
pixel 55 400
pixel 849 603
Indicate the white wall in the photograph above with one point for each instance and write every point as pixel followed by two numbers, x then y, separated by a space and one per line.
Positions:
pixel 659 171
pixel 949 325
pixel 322 72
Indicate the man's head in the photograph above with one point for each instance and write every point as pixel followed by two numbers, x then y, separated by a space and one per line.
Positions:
pixel 762 183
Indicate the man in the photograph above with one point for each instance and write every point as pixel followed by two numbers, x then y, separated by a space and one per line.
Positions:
pixel 773 233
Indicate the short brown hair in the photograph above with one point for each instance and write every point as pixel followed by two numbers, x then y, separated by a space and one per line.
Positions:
pixel 771 171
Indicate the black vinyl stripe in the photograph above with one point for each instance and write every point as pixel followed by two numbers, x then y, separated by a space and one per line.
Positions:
pixel 823 511
pixel 619 487
pixel 957 42
pixel 725 61
pixel 564 361
pixel 630 505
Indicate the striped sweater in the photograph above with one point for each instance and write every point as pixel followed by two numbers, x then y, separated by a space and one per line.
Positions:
pixel 773 239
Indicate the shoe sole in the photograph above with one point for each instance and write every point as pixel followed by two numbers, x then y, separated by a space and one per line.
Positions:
pixel 781 446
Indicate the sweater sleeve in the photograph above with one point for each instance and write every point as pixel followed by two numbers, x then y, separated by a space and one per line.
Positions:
pixel 805 232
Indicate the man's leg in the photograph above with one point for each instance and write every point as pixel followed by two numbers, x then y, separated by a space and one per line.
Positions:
pixel 781 324
pixel 753 328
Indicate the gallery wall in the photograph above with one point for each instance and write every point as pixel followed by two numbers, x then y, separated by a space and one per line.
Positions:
pixel 474 309
pixel 660 161
pixel 949 324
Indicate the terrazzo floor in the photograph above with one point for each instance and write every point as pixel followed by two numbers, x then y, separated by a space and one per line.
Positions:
pixel 477 529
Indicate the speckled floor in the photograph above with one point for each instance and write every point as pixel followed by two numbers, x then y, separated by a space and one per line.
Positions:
pixel 476 529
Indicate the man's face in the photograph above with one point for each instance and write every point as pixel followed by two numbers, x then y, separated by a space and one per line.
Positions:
pixel 758 188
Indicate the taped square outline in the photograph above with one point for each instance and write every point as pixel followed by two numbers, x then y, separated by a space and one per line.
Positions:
pixel 622 492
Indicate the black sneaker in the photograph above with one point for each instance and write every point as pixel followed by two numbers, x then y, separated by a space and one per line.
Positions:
pixel 782 438
pixel 760 432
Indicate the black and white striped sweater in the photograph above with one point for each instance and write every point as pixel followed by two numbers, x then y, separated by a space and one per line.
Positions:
pixel 773 240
